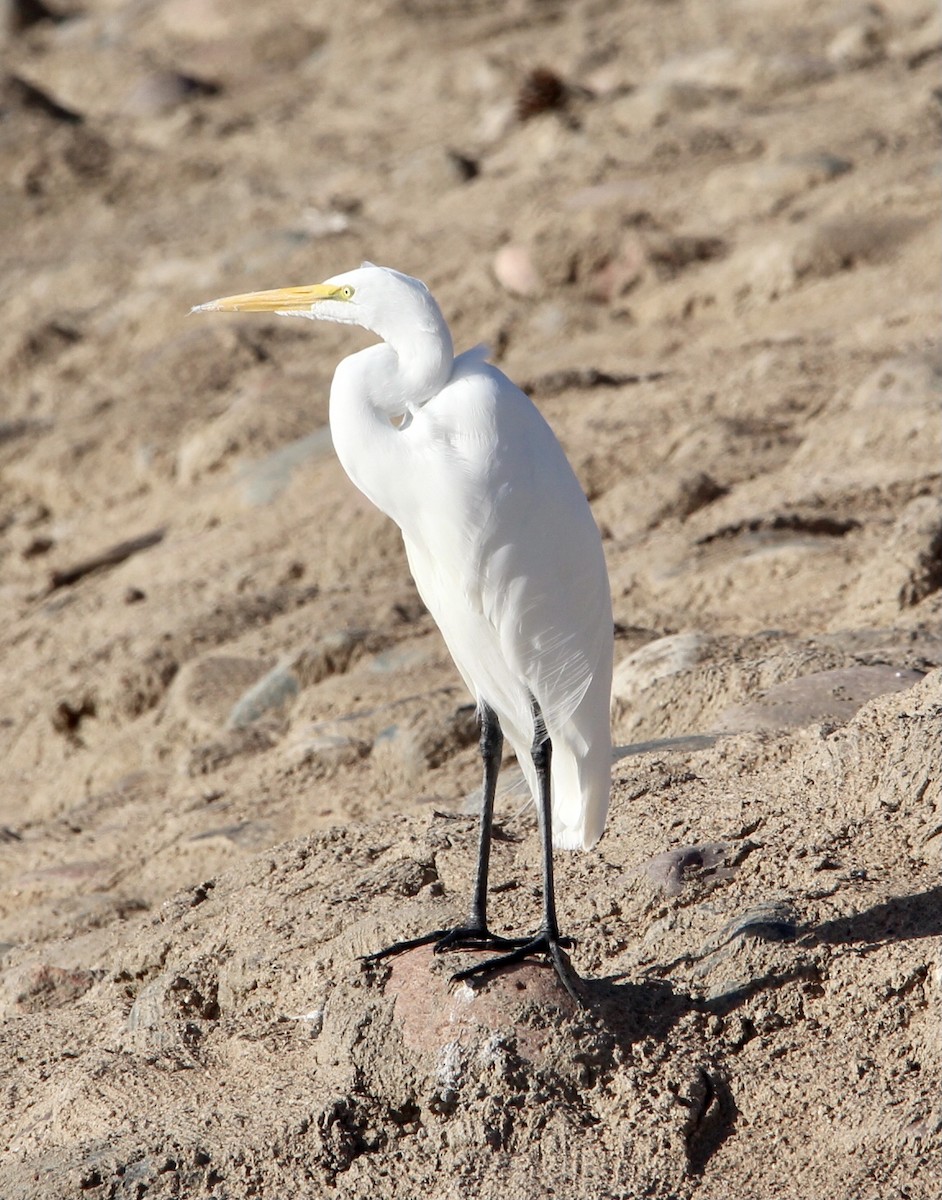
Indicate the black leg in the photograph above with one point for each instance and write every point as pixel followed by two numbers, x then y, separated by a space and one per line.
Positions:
pixel 474 934
pixel 492 745
pixel 547 939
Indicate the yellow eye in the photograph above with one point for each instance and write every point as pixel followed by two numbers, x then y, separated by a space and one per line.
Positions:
pixel 346 292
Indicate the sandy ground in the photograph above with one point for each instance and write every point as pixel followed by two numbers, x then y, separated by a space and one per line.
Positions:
pixel 705 236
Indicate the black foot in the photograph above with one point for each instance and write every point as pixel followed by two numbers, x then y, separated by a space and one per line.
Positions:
pixel 541 944
pixel 462 937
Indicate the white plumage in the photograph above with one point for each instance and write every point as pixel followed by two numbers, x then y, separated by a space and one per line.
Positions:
pixel 499 536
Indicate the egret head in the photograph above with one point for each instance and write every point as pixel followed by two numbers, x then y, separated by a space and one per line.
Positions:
pixel 394 306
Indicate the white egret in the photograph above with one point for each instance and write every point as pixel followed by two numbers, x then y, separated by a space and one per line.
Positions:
pixel 504 552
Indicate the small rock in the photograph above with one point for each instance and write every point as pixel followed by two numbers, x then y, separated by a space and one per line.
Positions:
pixel 724 67
pixel 887 433
pixel 811 699
pixel 410 750
pixel 44 986
pixel 199 20
pixel 514 271
pixel 324 747
pixel 205 691
pixel 841 243
pixel 318 223
pixel 273 692
pixel 911 380
pixel 769 922
pixel 670 870
pixel 171 1010
pixel 787 72
pixel 161 92
pixel 751 188
pixel 433 1012
pixel 261 481
pixel 665 656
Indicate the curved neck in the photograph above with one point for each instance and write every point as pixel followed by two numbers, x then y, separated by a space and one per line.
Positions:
pixel 419 365
pixel 376 393
pixel 369 395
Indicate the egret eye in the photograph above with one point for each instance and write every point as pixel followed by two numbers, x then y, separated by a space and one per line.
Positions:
pixel 346 292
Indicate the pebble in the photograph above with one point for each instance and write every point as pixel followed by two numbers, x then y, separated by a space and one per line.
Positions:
pixel 515 272
pixel 907 381
pixel 434 1015
pixel 746 189
pixel 841 243
pixel 723 67
pixel 331 654
pixel 401 658
pixel 161 92
pixel 42 986
pixel 790 72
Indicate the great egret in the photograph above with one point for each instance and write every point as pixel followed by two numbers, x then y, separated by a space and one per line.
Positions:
pixel 505 554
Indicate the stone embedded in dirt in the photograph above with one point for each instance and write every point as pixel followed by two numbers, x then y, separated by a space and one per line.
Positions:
pixel 654 661
pixel 750 946
pixel 332 654
pixel 324 747
pixel 206 690
pixel 842 243
pixel 670 870
pixel 424 738
pixel 171 1010
pixel 764 186
pixel 907 381
pixel 44 986
pixel 434 1012
pixel 823 696
pixel 885 433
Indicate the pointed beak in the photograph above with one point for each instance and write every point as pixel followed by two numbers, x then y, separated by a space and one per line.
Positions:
pixel 278 300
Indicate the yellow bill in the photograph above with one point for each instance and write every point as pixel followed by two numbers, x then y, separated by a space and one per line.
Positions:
pixel 278 300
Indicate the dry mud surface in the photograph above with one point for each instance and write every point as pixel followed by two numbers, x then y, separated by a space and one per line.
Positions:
pixel 705 236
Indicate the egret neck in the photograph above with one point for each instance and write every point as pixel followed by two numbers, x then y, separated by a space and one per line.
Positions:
pixel 376 393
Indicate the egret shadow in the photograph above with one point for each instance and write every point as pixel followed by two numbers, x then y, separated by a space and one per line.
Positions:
pixel 901 919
